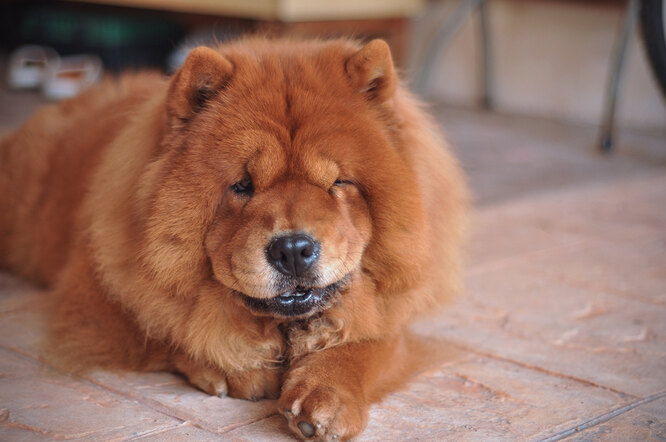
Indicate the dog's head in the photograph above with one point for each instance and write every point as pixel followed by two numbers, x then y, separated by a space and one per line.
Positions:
pixel 284 175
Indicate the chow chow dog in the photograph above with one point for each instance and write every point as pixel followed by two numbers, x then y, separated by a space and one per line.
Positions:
pixel 266 222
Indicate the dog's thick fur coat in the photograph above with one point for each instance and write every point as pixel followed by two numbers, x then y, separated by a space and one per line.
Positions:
pixel 147 206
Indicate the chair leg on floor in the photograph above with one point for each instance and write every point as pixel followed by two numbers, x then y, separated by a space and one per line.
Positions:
pixel 442 38
pixel 616 76
pixel 486 57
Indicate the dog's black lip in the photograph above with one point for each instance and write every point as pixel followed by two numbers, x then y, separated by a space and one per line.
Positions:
pixel 299 301
pixel 298 295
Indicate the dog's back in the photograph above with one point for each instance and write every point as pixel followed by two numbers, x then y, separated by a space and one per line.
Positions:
pixel 45 169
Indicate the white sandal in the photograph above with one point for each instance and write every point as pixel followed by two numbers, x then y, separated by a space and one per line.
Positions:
pixel 71 75
pixel 28 66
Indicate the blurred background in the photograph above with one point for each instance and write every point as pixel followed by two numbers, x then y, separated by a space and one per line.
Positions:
pixel 559 121
pixel 551 59
pixel 557 75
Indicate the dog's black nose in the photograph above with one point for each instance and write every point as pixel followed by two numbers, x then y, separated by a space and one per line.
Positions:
pixel 293 255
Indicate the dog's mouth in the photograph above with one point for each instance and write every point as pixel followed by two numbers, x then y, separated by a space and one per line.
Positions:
pixel 298 296
pixel 299 301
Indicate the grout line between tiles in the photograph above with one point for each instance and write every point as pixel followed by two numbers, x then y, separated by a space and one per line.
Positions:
pixel 603 418
pixel 245 424
pixel 542 370
pixel 190 418
pixel 159 431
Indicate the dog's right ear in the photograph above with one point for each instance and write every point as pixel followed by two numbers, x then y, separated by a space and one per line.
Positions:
pixel 204 74
pixel 371 71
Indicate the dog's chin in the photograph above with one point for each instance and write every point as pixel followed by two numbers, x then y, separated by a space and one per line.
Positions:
pixel 298 302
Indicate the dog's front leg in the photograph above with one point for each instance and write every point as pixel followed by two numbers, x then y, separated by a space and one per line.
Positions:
pixel 326 395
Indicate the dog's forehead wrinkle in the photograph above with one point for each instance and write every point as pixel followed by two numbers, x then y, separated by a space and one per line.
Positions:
pixel 305 166
pixel 268 161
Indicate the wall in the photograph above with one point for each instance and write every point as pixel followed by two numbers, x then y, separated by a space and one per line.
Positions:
pixel 551 59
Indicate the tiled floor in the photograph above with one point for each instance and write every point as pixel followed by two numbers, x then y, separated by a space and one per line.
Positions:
pixel 561 332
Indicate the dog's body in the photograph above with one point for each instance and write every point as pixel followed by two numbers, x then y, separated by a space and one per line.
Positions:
pixel 267 222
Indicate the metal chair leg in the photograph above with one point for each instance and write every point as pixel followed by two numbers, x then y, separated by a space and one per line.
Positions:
pixel 442 38
pixel 616 76
pixel 486 57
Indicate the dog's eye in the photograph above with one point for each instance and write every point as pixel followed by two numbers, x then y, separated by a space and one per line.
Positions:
pixel 339 183
pixel 243 187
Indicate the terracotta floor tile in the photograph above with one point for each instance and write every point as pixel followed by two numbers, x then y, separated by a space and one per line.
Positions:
pixel 603 338
pixel 174 396
pixel 494 240
pixel 645 422
pixel 624 208
pixel 22 328
pixel 273 428
pixel 485 399
pixel 632 268
pixel 42 403
pixel 182 433
pixel 619 213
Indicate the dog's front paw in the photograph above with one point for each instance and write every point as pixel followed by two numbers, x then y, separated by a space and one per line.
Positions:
pixel 319 408
pixel 248 384
pixel 213 382
pixel 254 384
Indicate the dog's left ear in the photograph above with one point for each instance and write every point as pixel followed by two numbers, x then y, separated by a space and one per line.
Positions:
pixel 371 70
pixel 204 73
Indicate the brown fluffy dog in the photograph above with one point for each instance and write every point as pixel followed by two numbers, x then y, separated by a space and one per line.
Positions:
pixel 266 222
